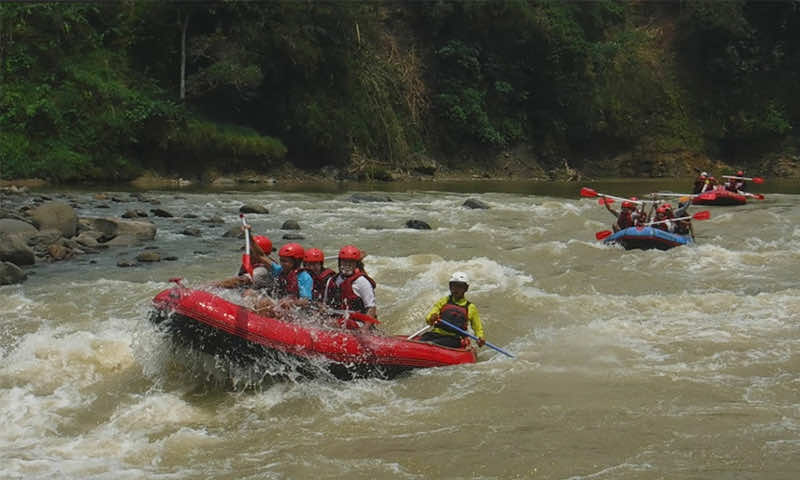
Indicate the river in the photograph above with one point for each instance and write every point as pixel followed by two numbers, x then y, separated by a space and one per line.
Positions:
pixel 682 364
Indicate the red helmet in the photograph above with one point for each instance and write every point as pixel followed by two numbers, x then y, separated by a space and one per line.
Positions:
pixel 667 206
pixel 349 252
pixel 314 255
pixel 263 242
pixel 740 173
pixel 292 250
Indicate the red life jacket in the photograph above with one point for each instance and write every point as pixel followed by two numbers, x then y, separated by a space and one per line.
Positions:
pixel 624 220
pixel 343 297
pixel 286 284
pixel 458 315
pixel 319 282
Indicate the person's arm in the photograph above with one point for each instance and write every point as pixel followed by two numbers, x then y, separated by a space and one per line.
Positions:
pixel 613 212
pixel 475 321
pixel 433 315
pixel 363 288
pixel 305 284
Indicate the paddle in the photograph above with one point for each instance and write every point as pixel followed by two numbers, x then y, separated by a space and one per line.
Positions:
pixel 588 192
pixel 758 180
pixel 603 234
pixel 419 332
pixel 467 334
pixel 670 194
pixel 704 215
pixel 757 196
pixel 246 255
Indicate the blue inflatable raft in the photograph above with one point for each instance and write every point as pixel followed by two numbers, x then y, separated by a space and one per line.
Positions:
pixel 645 238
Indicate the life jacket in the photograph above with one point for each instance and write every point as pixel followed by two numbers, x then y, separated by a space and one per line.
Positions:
pixel 286 284
pixel 320 281
pixel 343 297
pixel 624 220
pixel 458 315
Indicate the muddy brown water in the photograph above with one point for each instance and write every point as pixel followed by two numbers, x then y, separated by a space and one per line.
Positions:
pixel 681 364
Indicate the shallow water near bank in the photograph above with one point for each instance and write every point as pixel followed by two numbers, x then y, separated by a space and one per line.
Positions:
pixel 630 364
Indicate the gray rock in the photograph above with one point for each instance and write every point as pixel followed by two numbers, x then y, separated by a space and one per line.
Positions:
pixel 369 197
pixel 134 214
pixel 11 274
pixel 170 258
pixel 59 252
pixel 191 231
pixel 290 225
pixel 253 208
pixel 475 203
pixel 126 263
pixel 149 256
pixel 57 215
pixel 43 238
pixel 14 249
pixel 417 225
pixel 293 236
pixel 11 225
pixel 158 212
pixel 217 220
pixel 88 239
pixel 223 182
pixel 190 215
pixel 121 241
pixel 111 227
pixel 234 232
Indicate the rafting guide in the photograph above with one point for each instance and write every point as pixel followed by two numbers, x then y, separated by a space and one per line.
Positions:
pixel 457 310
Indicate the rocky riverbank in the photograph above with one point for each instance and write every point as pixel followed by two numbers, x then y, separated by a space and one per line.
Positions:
pixel 38 228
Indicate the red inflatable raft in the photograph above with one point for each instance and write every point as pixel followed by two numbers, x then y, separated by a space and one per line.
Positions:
pixel 719 196
pixel 214 325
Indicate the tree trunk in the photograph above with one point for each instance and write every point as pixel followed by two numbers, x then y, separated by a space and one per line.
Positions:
pixel 184 29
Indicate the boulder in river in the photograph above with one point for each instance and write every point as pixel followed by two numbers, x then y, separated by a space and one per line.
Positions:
pixel 12 225
pixel 475 203
pixel 290 225
pixel 14 249
pixel 417 225
pixel 253 208
pixel 149 256
pixel 160 212
pixel 57 215
pixel 113 227
pixel 11 274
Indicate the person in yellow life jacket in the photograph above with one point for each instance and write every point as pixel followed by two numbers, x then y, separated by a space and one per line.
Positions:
pixel 456 310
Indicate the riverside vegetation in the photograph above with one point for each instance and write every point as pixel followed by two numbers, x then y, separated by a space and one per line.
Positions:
pixel 93 91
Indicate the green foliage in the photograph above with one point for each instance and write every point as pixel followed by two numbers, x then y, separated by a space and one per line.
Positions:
pixel 226 147
pixel 90 90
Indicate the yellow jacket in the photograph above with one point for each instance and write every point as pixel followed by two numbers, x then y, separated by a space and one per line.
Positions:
pixel 472 315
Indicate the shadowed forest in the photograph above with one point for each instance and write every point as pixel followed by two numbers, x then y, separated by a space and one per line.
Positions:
pixel 111 90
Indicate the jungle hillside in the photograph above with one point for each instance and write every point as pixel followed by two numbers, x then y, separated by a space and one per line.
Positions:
pixel 368 90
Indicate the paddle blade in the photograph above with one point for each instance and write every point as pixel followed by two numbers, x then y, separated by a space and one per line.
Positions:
pixel 759 196
pixel 588 192
pixel 603 234
pixel 704 215
pixel 605 201
pixel 758 180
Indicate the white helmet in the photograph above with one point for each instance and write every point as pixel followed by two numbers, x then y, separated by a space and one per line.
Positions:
pixel 704 174
pixel 459 277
